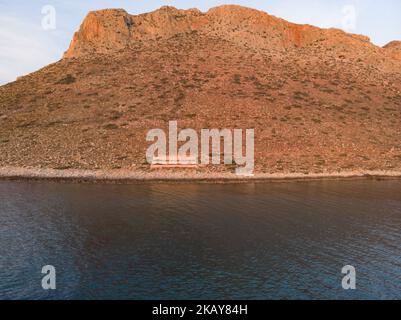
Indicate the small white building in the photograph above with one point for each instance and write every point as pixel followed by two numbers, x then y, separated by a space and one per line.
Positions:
pixel 174 162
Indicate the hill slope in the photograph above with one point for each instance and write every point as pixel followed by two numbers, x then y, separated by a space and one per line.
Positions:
pixel 319 100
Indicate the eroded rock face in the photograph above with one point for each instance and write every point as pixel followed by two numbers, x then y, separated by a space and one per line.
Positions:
pixel 101 31
pixel 108 31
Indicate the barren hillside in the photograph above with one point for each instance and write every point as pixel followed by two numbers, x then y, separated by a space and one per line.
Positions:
pixel 319 100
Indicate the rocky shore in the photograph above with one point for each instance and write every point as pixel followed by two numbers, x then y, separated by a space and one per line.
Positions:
pixel 130 177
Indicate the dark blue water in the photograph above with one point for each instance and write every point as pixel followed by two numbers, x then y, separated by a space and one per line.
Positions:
pixel 257 241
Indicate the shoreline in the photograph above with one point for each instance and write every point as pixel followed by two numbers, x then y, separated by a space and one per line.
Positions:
pixel 125 176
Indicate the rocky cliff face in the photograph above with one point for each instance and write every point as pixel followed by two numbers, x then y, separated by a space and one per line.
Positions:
pixel 108 31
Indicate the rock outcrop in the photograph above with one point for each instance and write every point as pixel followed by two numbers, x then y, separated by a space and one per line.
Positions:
pixel 108 31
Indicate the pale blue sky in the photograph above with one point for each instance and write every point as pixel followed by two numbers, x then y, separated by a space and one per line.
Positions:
pixel 25 46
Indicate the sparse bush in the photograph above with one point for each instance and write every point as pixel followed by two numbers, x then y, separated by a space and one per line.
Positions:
pixel 237 79
pixel 111 126
pixel 67 80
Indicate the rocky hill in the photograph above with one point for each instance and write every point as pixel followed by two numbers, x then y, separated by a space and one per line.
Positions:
pixel 320 100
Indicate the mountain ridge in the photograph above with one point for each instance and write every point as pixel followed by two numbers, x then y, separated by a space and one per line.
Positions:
pixel 110 30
